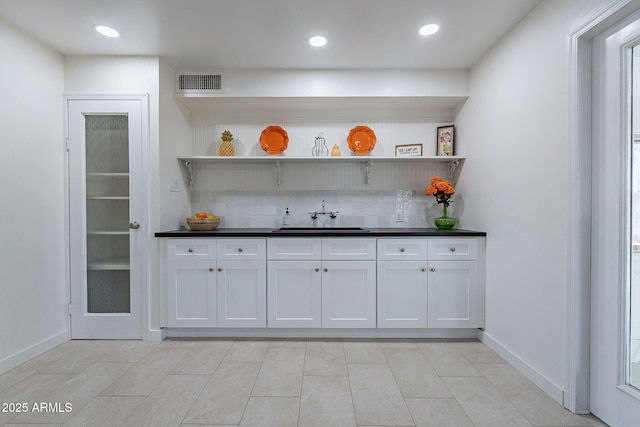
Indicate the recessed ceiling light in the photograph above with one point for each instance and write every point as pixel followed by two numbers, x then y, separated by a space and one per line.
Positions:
pixel 317 41
pixel 106 31
pixel 427 30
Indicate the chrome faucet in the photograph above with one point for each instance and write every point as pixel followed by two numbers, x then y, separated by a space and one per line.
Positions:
pixel 332 214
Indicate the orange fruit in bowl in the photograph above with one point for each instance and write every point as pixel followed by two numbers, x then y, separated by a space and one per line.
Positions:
pixel 202 214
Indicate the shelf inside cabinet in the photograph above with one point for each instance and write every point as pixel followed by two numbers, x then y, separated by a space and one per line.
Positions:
pixel 453 163
pixel 109 265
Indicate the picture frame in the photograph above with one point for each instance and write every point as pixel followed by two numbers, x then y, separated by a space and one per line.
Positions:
pixel 445 140
pixel 409 150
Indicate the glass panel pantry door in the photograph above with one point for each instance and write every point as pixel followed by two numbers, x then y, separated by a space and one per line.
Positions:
pixel 104 192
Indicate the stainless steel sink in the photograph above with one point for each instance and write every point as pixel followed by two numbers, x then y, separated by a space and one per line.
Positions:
pixel 321 230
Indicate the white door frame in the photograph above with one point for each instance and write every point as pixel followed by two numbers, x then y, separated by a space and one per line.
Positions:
pixel 145 217
pixel 577 366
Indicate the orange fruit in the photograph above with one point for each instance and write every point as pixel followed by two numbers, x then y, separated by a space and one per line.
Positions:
pixel 202 214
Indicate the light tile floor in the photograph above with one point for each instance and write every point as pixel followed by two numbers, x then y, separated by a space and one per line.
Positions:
pixel 276 383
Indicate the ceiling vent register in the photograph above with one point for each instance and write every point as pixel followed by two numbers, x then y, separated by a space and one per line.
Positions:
pixel 198 84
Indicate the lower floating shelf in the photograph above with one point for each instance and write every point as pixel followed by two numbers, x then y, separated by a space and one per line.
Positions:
pixel 453 162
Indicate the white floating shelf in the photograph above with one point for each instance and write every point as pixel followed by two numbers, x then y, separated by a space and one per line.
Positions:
pixel 367 163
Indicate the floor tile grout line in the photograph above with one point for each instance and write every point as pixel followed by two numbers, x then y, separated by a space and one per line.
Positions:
pixel 353 405
pixel 395 379
pixel 304 364
pixel 255 380
pixel 206 384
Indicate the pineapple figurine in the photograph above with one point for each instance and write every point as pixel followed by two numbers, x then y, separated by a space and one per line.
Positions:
pixel 226 148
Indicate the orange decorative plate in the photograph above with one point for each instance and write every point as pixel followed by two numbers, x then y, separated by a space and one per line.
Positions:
pixel 274 140
pixel 361 140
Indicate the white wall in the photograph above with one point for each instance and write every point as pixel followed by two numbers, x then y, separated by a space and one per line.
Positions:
pixel 175 140
pixel 33 291
pixel 341 83
pixel 514 131
pixel 119 75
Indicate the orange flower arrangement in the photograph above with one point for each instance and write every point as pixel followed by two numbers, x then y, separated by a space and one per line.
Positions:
pixel 441 189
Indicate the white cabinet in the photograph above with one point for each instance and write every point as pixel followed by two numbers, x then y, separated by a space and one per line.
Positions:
pixel 216 283
pixel 453 300
pixel 453 249
pixel 192 294
pixel 294 294
pixel 402 249
pixel 327 283
pixel 294 283
pixel 402 294
pixel 242 283
pixel 242 294
pixel 430 283
pixel 454 284
pixel 342 282
pixel 191 283
pixel 348 294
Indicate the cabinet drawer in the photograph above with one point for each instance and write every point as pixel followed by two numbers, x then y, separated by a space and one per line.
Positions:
pixel 402 249
pixel 236 249
pixel 294 249
pixel 348 249
pixel 191 249
pixel 453 249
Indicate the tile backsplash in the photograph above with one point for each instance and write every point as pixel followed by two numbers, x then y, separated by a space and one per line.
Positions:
pixel 258 209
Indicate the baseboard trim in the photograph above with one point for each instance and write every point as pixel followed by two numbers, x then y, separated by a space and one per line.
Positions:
pixel 155 334
pixel 553 390
pixel 33 351
pixel 373 333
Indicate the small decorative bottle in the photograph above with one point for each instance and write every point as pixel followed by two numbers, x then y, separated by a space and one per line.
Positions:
pixel 286 219
pixel 336 150
pixel 320 148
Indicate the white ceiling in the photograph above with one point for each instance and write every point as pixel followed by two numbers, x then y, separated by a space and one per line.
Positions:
pixel 222 34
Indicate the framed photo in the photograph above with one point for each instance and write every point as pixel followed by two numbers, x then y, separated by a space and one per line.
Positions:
pixel 445 140
pixel 409 150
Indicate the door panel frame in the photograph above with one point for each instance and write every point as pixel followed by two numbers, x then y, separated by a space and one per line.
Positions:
pixel 577 394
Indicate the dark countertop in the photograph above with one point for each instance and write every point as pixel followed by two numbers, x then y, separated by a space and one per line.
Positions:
pixel 322 232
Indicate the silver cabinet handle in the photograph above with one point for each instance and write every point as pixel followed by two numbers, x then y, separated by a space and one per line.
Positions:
pixel 317 269
pixel 325 270
pixel 134 225
pixel 240 250
pixel 452 249
pixel 423 269
pixel 432 269
pixel 402 249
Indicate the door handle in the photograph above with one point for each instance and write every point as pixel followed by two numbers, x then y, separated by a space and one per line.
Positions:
pixel 134 225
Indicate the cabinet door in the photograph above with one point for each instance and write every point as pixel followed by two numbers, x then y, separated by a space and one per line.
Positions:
pixel 192 294
pixel 242 294
pixel 453 294
pixel 348 294
pixel 402 294
pixel 294 294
